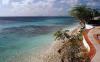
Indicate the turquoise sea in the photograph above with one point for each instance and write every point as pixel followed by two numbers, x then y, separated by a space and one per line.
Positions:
pixel 23 35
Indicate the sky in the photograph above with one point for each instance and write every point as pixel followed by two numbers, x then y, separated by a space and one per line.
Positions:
pixel 42 7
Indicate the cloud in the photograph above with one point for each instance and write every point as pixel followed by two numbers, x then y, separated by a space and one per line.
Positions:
pixel 5 2
pixel 94 3
pixel 40 7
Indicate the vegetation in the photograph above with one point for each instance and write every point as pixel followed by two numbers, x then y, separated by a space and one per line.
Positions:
pixel 84 13
pixel 61 35
pixel 96 13
pixel 74 49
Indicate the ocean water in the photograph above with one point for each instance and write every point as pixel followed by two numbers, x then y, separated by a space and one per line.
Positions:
pixel 22 35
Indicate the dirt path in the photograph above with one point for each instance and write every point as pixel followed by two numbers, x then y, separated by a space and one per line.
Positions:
pixel 96 44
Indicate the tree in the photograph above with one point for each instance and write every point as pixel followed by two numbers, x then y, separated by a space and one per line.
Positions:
pixel 83 13
pixel 96 13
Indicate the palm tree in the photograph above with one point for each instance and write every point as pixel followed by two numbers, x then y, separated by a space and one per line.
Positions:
pixel 83 13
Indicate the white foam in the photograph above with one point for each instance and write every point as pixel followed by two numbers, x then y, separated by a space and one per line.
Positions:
pixel 72 27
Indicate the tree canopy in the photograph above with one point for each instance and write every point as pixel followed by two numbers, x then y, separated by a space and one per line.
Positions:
pixel 84 12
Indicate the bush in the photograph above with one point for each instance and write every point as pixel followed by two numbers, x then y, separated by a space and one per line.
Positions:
pixel 74 47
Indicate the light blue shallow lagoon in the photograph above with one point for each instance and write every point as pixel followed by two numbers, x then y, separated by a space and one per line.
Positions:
pixel 23 35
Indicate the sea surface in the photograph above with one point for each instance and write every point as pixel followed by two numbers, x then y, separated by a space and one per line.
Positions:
pixel 23 35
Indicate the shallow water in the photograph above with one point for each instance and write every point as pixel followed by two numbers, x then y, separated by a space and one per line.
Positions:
pixel 19 37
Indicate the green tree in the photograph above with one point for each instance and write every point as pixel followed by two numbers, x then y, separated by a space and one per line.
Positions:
pixel 83 13
pixel 96 13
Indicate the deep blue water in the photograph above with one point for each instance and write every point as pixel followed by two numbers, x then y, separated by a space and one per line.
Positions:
pixel 23 35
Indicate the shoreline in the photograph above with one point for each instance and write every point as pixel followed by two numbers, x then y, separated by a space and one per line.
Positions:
pixel 46 52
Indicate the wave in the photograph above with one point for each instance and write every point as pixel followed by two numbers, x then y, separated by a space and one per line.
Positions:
pixel 23 36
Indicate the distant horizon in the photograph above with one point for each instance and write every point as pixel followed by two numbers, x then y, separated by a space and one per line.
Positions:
pixel 31 17
pixel 35 16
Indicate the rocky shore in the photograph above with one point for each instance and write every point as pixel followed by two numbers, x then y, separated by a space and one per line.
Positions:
pixel 61 49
